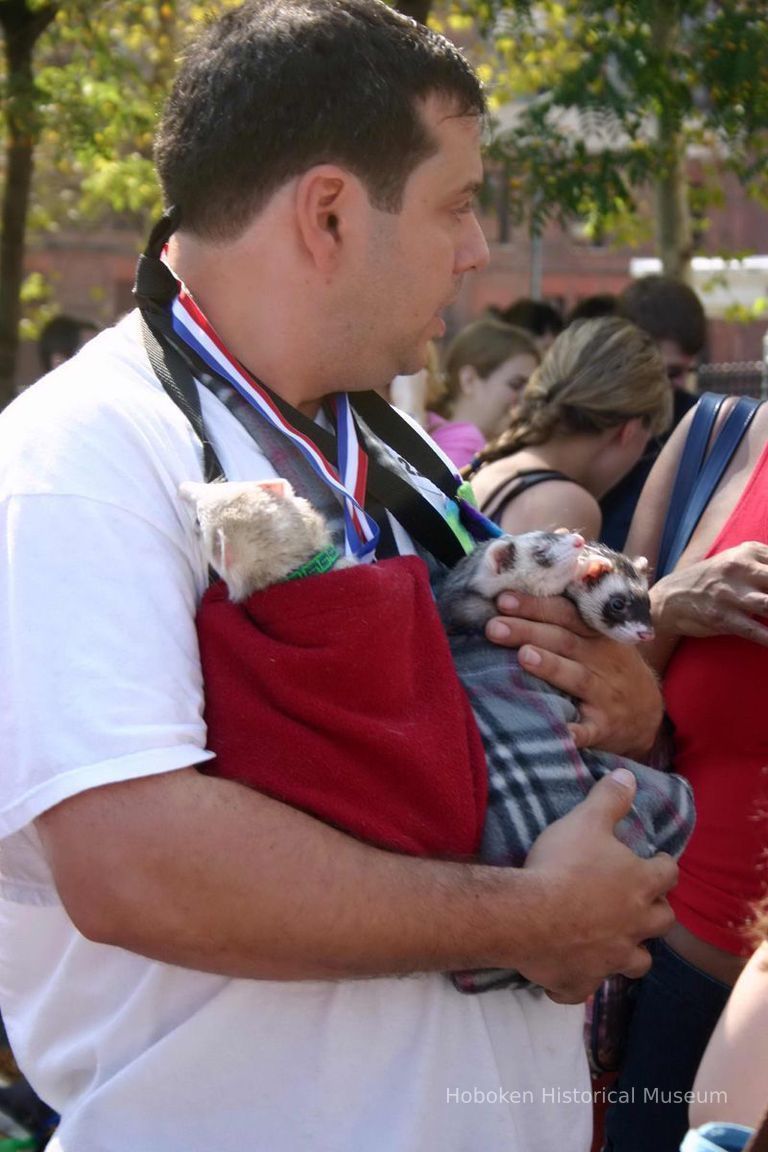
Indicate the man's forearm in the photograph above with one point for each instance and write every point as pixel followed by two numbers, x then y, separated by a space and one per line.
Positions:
pixel 205 874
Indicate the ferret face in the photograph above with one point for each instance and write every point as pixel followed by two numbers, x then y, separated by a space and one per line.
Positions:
pixel 539 563
pixel 255 533
pixel 614 600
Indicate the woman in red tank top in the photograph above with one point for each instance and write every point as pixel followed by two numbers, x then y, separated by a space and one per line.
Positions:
pixel 711 619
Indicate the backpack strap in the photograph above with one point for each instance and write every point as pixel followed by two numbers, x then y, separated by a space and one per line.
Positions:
pixel 510 489
pixel 689 466
pixel 698 476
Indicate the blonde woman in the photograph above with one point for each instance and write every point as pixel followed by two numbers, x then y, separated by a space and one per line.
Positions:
pixel 583 420
pixel 486 368
pixel 732 1081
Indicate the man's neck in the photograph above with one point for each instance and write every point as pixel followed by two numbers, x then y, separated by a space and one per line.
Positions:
pixel 249 322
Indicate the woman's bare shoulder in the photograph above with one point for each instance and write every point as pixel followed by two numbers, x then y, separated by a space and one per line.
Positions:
pixel 554 504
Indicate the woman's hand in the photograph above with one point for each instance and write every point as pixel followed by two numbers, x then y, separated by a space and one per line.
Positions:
pixel 717 596
pixel 620 702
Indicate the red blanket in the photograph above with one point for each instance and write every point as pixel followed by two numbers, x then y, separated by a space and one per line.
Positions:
pixel 337 694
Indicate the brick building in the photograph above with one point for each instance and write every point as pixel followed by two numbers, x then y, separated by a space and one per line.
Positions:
pixel 91 273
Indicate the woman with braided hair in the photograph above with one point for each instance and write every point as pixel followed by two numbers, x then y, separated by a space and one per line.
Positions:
pixel 583 420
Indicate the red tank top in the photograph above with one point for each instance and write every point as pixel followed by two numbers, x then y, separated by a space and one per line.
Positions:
pixel 716 693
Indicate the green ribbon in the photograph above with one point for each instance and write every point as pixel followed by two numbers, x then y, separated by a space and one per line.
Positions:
pixel 453 516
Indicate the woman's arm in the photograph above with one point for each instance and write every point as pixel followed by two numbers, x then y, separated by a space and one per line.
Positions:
pixel 703 596
pixel 731 1081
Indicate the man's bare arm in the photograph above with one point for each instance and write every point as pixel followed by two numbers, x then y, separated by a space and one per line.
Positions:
pixel 206 874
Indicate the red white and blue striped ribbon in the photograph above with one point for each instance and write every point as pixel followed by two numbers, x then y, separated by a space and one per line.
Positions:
pixel 348 479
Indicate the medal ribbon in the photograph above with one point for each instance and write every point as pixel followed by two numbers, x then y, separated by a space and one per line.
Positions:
pixel 348 479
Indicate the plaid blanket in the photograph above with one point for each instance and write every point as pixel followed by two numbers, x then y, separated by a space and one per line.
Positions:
pixel 536 774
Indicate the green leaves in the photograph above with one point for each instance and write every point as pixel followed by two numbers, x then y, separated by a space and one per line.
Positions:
pixel 599 100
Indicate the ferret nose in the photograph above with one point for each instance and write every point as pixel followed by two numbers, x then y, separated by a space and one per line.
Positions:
pixel 645 633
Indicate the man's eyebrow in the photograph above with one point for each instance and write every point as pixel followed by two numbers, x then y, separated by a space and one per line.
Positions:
pixel 473 187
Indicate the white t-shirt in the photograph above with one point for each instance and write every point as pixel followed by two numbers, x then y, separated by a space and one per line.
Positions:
pixel 101 682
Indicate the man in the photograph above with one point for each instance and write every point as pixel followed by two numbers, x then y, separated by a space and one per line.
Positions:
pixel 542 320
pixel 673 315
pixel 61 338
pixel 187 963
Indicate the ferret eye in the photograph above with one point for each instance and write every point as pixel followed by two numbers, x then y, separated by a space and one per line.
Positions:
pixel 617 603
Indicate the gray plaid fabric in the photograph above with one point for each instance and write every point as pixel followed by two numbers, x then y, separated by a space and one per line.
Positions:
pixel 536 774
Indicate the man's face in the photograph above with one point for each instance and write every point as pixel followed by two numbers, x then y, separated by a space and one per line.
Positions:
pixel 414 260
pixel 677 363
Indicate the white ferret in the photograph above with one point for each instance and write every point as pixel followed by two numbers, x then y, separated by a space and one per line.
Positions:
pixel 257 533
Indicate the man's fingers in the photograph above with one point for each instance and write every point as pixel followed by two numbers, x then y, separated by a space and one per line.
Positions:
pixel 584 732
pixel 577 996
pixel 639 964
pixel 555 610
pixel 576 993
pixel 664 871
pixel 558 668
pixel 612 796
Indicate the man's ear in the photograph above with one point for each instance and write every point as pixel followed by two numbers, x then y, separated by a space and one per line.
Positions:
pixel 322 202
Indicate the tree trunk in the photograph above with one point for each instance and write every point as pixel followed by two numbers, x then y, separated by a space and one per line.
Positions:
pixel 21 28
pixel 417 9
pixel 674 235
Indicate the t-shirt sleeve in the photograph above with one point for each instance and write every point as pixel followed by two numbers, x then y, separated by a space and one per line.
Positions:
pixel 98 651
pixel 101 571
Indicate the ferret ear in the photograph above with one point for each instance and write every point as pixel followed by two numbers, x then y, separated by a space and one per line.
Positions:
pixel 641 563
pixel 222 557
pixel 500 555
pixel 592 566
pixel 278 487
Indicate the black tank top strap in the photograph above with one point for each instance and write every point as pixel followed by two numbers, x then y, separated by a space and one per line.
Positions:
pixel 508 490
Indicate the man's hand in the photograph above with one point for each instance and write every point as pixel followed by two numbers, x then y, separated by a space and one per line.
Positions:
pixel 717 596
pixel 620 701
pixel 604 900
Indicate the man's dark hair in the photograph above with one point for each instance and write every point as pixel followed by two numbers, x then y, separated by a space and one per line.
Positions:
pixel 277 86
pixel 534 315
pixel 61 337
pixel 667 309
pixel 593 307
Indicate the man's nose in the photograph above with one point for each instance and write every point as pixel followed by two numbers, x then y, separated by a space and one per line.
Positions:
pixel 473 253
